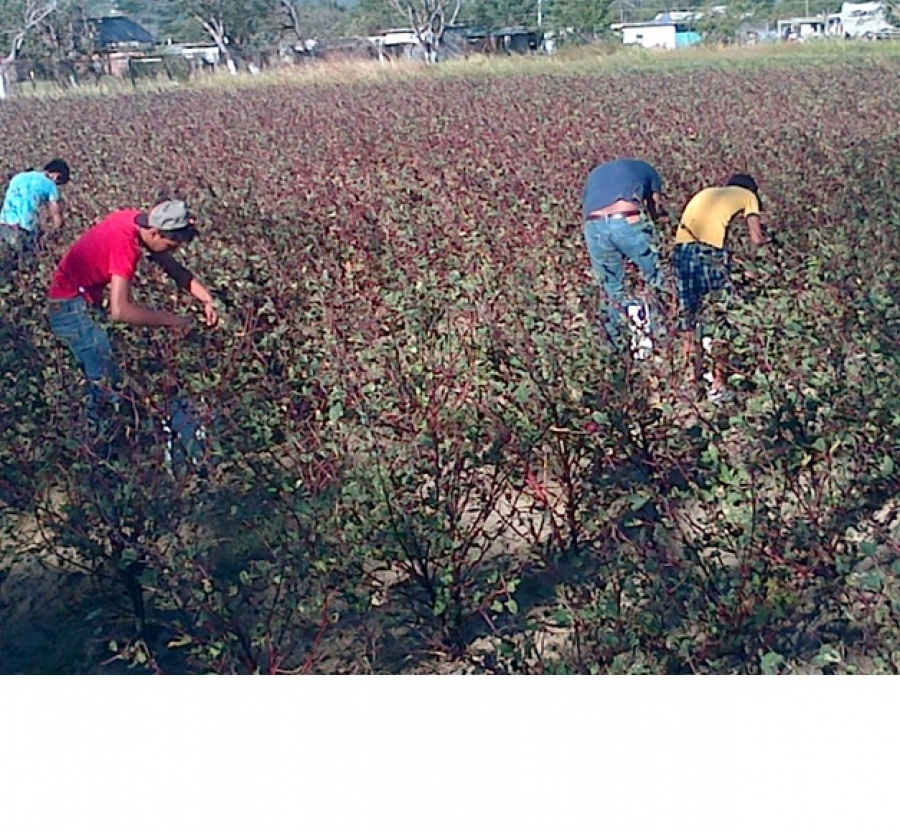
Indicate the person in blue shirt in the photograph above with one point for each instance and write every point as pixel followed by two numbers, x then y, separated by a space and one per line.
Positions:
pixel 28 192
pixel 621 200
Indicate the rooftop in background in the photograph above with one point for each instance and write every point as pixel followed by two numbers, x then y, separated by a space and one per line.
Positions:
pixel 118 29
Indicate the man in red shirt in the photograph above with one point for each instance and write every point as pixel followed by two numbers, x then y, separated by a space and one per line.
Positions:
pixel 107 255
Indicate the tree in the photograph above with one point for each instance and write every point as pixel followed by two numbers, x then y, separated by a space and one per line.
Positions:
pixel 22 17
pixel 233 24
pixel 589 17
pixel 313 18
pixel 371 16
pixel 66 33
pixel 289 7
pixel 428 19
pixel 493 14
pixel 162 18
pixel 718 25
pixel 893 13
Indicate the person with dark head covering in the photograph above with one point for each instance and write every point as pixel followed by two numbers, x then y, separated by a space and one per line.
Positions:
pixel 701 265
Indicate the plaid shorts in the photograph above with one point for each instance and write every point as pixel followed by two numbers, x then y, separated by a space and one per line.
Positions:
pixel 699 270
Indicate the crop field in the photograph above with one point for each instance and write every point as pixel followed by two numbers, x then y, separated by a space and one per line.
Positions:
pixel 422 455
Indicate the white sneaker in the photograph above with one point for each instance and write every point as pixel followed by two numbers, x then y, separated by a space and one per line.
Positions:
pixel 719 396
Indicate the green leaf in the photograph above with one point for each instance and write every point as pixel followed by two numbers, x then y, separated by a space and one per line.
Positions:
pixel 870 581
pixel 868 548
pixel 638 501
pixel 771 662
pixel 827 655
pixel 564 618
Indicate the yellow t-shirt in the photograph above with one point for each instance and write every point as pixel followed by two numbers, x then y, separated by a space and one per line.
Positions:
pixel 707 215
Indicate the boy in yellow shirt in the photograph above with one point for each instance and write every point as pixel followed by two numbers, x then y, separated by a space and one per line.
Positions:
pixel 701 263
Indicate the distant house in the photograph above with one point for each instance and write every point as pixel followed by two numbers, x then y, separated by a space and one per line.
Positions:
pixel 854 20
pixel 117 33
pixel 658 34
pixel 861 20
pixel 516 40
pixel 346 49
pixel 397 43
pixel 753 32
pixel 801 28
pixel 510 40
pixel 207 54
pixel 119 39
pixel 456 41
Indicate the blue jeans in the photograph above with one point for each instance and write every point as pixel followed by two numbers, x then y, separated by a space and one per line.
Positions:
pixel 73 323
pixel 185 424
pixel 609 242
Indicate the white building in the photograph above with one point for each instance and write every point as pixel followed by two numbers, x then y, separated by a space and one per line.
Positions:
pixel 657 34
pixel 854 20
pixel 202 53
pixel 862 20
pixel 801 28
pixel 398 43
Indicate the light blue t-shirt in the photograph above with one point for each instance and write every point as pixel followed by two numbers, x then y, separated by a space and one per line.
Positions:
pixel 27 192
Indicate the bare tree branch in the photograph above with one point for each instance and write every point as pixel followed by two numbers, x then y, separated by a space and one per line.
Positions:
pixel 291 9
pixel 35 11
pixel 428 19
pixel 216 30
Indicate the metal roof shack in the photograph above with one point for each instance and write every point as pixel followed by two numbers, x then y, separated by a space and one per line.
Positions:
pixel 398 43
pixel 117 32
pixel 518 39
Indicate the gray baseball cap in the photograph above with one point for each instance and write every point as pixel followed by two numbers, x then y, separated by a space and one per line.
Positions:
pixel 171 215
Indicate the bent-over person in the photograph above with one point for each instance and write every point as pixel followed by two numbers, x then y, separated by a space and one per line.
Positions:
pixel 27 193
pixel 702 268
pixel 620 202
pixel 105 257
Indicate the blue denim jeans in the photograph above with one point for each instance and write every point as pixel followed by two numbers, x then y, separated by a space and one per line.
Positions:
pixel 609 242
pixel 185 425
pixel 77 326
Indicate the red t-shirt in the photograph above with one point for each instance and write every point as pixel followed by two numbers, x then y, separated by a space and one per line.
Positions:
pixel 112 247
